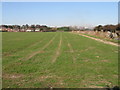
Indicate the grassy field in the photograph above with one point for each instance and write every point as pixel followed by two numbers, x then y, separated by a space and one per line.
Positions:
pixel 57 59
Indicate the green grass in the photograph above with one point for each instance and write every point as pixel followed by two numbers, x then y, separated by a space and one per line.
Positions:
pixel 78 61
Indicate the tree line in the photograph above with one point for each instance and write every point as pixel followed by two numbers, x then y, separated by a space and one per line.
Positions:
pixel 24 27
pixel 33 28
pixel 105 28
pixel 109 28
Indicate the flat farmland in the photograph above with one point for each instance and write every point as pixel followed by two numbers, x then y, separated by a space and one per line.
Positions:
pixel 58 60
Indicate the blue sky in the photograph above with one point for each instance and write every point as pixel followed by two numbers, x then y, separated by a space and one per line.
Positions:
pixel 60 13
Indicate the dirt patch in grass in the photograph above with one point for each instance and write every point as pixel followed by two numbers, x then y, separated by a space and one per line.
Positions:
pixel 93 86
pixel 43 78
pixel 97 56
pixel 33 54
pixel 12 76
pixel 51 80
pixel 5 54
pixel 96 83
pixel 86 60
pixel 104 60
pixel 116 76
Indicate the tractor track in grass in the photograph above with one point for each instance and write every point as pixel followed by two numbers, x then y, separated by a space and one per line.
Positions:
pixel 71 50
pixel 58 50
pixel 34 44
pixel 41 50
pixel 30 46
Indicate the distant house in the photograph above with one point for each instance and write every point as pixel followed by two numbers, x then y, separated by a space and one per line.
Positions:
pixel 3 29
pixel 37 30
pixel 10 30
pixel 0 28
pixel 28 30
pixel 22 30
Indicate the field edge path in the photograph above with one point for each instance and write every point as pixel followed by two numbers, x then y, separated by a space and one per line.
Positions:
pixel 100 40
